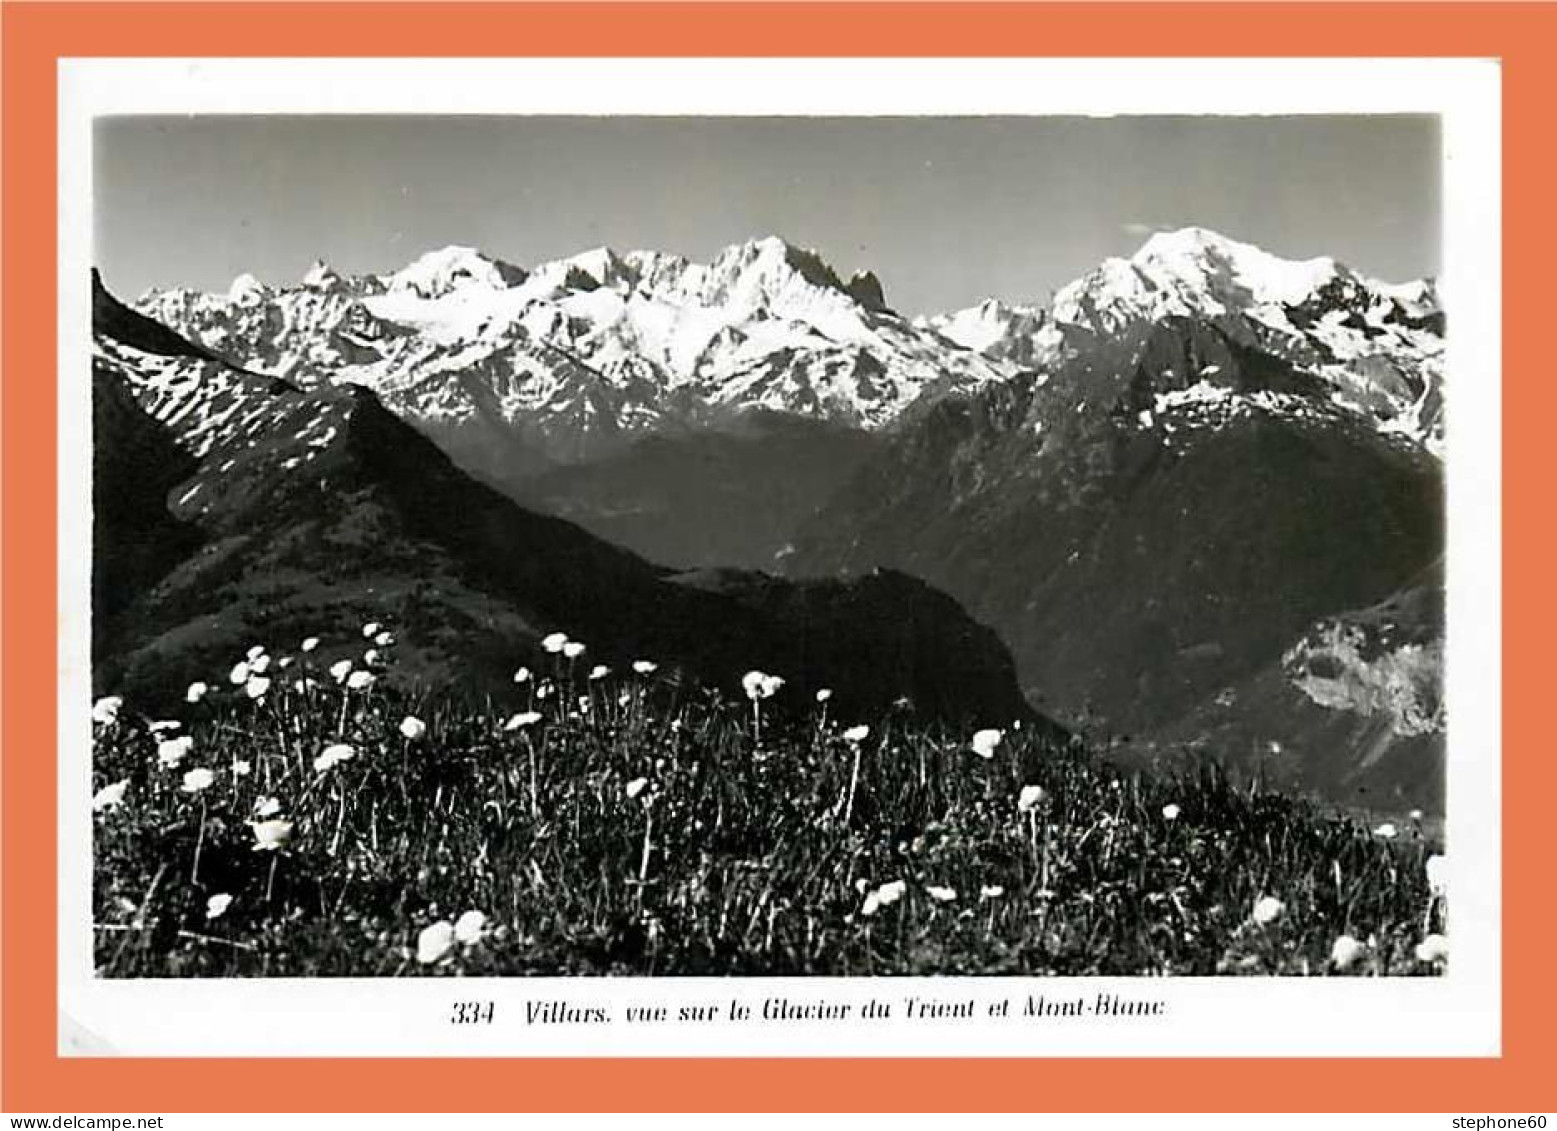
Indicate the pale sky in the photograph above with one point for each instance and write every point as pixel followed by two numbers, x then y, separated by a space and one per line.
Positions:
pixel 947 211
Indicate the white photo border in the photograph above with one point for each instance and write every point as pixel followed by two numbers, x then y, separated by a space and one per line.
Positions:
pixel 1458 1014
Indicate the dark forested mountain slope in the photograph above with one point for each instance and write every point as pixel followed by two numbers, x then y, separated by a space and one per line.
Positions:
pixel 1164 514
pixel 316 511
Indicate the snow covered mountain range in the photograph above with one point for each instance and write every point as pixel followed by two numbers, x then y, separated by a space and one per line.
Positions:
pixel 574 359
pixel 577 356
pixel 1378 347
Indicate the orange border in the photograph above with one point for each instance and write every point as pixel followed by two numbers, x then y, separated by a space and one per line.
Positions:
pixel 33 1078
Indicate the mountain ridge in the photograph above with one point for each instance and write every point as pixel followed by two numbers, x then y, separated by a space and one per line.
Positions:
pixel 582 354
pixel 318 510
pixel 1145 525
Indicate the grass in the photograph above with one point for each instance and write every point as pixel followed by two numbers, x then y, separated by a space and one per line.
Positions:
pixel 639 827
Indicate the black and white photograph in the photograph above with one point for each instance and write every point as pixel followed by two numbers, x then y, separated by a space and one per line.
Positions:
pixel 776 546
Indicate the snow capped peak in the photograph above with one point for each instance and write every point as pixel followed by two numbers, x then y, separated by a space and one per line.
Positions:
pixel 974 327
pixel 773 255
pixel 769 247
pixel 1189 241
pixel 1199 255
pixel 322 277
pixel 1418 297
pixel 1380 347
pixel 246 290
pixel 773 273
pixel 1187 272
pixel 602 264
pixel 439 272
pixel 1021 335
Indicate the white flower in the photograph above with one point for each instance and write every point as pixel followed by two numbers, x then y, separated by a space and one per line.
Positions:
pixel 637 786
pixel 824 695
pixel 645 667
pixel 196 692
pixel 284 663
pixel 217 905
pixel 340 670
pixel 370 629
pixel 555 643
pixel 360 680
pixel 1437 875
pixel 384 639
pixel 110 795
pixel 991 891
pixel 165 724
pixel 256 687
pixel 573 649
pixel 753 683
pixel 334 755
pixel 543 691
pixel 106 710
pixel 241 768
pixel 271 836
pixel 884 896
pixel 310 644
pixel 370 657
pixel 892 892
pixel 522 719
pixel 522 675
pixel 1267 909
pixel 1434 948
pixel 1387 831
pixel 259 665
pixel 1170 812
pixel 172 751
pixel 856 734
pixel 1415 815
pixel 1346 952
pixel 941 894
pixel 1030 798
pixel 198 779
pixel 413 727
pixel 305 684
pixel 469 927
pixel 435 942
pixel 266 807
pixel 985 741
pixel 599 671
pixel 239 674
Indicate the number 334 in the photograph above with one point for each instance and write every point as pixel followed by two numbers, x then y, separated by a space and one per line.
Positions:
pixel 473 1013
